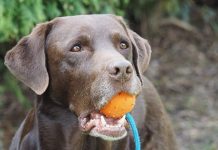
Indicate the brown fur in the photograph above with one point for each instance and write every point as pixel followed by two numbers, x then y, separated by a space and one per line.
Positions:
pixel 69 84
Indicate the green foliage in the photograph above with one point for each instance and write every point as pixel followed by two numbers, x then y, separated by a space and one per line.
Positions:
pixel 19 16
pixel 12 85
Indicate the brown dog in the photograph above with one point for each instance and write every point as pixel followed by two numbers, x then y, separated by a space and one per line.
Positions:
pixel 75 65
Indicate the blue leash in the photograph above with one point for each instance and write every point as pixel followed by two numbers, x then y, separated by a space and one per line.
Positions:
pixel 131 121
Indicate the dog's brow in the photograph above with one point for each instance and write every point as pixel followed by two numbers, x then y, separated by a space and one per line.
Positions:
pixel 115 36
pixel 84 37
pixel 118 37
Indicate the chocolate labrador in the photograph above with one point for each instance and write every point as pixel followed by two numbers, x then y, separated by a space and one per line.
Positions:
pixel 75 65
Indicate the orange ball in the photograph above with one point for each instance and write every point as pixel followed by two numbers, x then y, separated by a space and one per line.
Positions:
pixel 119 105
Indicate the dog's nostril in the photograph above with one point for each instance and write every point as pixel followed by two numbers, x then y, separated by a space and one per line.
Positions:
pixel 129 70
pixel 116 70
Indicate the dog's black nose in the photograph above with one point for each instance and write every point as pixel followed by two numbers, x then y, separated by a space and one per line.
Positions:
pixel 120 70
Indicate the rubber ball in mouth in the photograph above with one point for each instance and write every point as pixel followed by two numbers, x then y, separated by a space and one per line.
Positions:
pixel 119 105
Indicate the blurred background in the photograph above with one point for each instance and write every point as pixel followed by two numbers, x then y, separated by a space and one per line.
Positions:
pixel 184 67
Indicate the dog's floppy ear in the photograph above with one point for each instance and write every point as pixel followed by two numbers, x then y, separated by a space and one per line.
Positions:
pixel 26 60
pixel 141 49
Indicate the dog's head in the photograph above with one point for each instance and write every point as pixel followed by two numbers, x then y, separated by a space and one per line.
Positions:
pixel 81 62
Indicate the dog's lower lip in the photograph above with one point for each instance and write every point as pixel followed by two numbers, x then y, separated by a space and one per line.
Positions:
pixel 98 125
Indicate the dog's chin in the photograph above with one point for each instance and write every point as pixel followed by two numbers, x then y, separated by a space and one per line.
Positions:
pixel 109 135
pixel 97 125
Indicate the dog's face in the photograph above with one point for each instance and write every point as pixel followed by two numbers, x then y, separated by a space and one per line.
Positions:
pixel 81 62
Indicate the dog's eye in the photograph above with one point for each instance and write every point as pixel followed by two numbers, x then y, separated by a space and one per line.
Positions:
pixel 76 47
pixel 124 45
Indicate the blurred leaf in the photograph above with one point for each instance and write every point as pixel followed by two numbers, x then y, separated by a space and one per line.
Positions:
pixel 52 10
pixel 2 89
pixel 11 84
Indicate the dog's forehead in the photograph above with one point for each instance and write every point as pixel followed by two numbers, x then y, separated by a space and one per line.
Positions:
pixel 106 21
pixel 102 24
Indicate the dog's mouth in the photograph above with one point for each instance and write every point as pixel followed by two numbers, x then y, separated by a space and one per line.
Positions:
pixel 96 124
